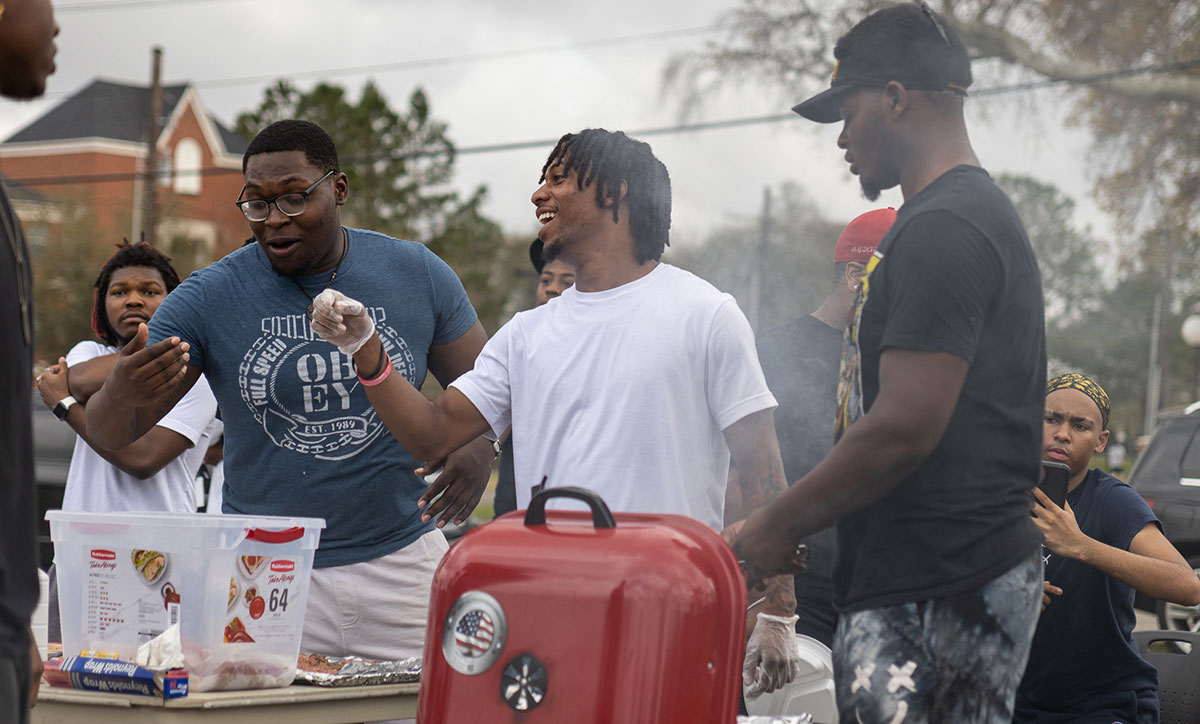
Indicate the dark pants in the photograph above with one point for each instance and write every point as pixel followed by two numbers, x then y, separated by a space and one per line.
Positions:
pixel 53 617
pixel 14 689
pixel 950 660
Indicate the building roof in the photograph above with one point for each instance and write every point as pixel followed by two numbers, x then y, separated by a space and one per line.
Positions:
pixel 109 110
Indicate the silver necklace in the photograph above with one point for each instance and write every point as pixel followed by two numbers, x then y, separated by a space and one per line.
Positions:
pixel 311 297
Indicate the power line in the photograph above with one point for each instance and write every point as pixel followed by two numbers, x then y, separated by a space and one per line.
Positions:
pixel 409 155
pixel 1092 78
pixel 60 8
pixel 464 58
pixel 438 61
pixel 655 131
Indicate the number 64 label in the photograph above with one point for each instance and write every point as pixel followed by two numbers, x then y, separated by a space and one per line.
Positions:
pixel 261 613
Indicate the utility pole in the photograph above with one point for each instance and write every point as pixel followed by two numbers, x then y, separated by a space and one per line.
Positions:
pixel 1153 380
pixel 760 256
pixel 149 179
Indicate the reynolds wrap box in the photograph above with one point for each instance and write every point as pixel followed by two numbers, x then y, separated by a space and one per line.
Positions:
pixel 111 676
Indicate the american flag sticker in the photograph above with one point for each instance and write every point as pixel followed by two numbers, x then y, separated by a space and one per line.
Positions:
pixel 474 634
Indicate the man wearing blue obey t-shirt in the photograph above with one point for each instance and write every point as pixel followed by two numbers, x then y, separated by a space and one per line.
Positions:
pixel 301 437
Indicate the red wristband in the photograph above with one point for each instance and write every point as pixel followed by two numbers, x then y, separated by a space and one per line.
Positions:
pixel 378 379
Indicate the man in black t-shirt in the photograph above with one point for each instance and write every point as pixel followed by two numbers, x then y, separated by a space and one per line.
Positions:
pixel 940 403
pixel 800 361
pixel 27 31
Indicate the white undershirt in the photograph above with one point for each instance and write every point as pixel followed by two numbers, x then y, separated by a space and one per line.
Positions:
pixel 97 486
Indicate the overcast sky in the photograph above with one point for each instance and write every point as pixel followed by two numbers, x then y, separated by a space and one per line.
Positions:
pixel 718 175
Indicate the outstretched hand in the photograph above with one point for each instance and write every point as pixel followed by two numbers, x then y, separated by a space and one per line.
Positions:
pixel 456 492
pixel 144 376
pixel 342 321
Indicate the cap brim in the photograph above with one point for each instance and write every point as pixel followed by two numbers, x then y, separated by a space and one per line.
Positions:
pixel 535 255
pixel 822 107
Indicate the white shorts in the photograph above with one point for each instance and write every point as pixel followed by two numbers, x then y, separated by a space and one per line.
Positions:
pixel 375 609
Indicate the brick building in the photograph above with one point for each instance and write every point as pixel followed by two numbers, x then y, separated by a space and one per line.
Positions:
pixel 85 155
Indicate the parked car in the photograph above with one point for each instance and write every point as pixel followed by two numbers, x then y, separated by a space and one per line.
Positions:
pixel 53 443
pixel 1167 476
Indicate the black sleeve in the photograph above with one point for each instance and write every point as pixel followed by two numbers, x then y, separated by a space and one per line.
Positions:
pixel 942 276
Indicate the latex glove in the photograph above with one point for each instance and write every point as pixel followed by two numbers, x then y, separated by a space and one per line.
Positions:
pixel 772 655
pixel 341 321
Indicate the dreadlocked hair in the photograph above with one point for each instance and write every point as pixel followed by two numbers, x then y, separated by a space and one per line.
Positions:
pixel 140 254
pixel 607 158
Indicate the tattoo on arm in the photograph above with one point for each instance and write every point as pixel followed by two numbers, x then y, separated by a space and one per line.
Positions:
pixel 780 595
pixel 762 484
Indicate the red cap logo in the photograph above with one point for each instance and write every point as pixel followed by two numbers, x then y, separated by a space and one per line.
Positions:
pixel 102 555
pixel 282 566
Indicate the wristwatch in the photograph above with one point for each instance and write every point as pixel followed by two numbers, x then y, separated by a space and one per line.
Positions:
pixel 60 410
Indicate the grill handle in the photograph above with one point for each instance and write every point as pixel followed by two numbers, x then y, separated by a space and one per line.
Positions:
pixel 601 516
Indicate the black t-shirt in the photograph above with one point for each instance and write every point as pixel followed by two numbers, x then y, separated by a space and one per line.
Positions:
pixel 955 274
pixel 505 500
pixel 1084 659
pixel 18 509
pixel 800 361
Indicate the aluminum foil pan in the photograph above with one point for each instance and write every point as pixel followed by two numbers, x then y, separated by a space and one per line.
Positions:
pixel 320 670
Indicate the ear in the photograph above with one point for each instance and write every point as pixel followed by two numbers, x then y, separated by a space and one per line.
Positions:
pixel 341 189
pixel 895 99
pixel 853 274
pixel 608 203
pixel 1102 442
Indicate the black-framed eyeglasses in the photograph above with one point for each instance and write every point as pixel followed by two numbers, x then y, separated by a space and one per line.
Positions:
pixel 290 204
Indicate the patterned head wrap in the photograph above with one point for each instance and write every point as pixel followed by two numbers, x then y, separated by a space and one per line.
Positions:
pixel 1086 385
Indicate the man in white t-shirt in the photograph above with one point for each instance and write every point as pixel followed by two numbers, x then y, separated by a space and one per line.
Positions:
pixel 639 382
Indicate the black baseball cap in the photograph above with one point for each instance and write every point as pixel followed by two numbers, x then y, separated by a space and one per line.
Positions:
pixel 535 255
pixel 908 43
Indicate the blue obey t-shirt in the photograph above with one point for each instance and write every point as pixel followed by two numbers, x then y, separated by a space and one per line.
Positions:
pixel 1084 665
pixel 301 438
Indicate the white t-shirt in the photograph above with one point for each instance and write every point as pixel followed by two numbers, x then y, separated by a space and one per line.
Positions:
pixel 625 392
pixel 97 486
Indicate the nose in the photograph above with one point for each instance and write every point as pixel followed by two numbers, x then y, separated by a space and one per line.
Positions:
pixel 841 140
pixel 540 195
pixel 275 217
pixel 1062 433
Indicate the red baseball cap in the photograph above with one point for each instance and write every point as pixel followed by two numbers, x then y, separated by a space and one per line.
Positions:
pixel 861 236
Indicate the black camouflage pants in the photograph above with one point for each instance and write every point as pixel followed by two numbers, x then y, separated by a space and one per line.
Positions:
pixel 956 660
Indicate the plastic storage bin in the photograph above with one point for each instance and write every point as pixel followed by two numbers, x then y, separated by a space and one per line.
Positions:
pixel 236 585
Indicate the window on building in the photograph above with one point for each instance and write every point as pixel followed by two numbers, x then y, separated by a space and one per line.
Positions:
pixel 187 167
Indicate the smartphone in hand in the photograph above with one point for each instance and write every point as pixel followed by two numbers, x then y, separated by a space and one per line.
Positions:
pixel 1055 477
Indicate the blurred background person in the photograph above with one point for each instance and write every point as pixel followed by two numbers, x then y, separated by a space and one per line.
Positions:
pixel 800 360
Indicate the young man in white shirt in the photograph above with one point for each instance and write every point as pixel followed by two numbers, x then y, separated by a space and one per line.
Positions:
pixel 157 471
pixel 640 382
